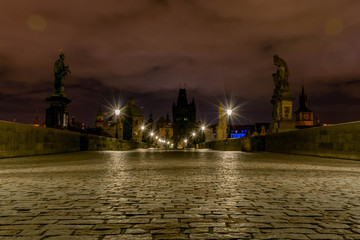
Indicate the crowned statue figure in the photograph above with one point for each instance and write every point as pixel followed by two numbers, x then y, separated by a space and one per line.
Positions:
pixel 60 71
pixel 280 77
pixel 281 100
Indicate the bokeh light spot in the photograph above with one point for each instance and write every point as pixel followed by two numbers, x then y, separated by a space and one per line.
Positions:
pixel 37 23
pixel 333 27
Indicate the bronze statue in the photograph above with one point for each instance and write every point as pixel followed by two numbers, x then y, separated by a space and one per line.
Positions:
pixel 60 71
pixel 280 77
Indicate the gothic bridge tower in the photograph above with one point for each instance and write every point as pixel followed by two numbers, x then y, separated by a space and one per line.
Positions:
pixel 184 117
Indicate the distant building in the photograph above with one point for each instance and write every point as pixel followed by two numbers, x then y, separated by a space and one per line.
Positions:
pixel 36 119
pixel 133 120
pixel 184 117
pixel 150 124
pixel 164 128
pixel 262 128
pixel 221 128
pixel 75 126
pixel 304 116
pixel 239 131
pixel 149 128
pixel 99 123
pixel 209 136
pixel 110 129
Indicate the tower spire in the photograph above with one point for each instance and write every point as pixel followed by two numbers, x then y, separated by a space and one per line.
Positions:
pixel 304 116
pixel 302 89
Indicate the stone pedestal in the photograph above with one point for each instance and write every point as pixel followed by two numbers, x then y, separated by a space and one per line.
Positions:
pixel 57 115
pixel 282 114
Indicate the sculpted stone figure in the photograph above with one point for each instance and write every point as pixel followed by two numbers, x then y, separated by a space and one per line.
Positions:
pixel 280 77
pixel 281 100
pixel 281 85
pixel 60 71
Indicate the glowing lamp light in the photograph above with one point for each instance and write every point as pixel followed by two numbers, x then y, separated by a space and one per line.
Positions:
pixel 117 112
pixel 151 134
pixel 156 137
pixel 193 134
pixel 142 128
pixel 185 141
pixel 228 112
pixel 203 128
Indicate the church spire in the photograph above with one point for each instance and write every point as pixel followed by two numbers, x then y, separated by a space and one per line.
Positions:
pixel 303 100
pixel 304 116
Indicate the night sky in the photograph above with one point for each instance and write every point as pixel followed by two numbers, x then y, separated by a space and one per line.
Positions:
pixel 143 49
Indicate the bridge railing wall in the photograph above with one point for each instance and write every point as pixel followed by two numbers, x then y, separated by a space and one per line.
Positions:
pixel 17 139
pixel 337 141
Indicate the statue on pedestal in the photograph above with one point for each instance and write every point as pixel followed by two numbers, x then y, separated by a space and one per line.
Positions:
pixel 57 115
pixel 281 99
pixel 60 71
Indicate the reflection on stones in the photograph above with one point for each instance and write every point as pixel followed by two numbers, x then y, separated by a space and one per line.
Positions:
pixel 149 194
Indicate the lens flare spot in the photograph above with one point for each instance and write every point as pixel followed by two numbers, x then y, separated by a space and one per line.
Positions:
pixel 37 23
pixel 333 27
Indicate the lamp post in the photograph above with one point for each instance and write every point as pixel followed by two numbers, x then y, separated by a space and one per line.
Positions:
pixel 151 137
pixel 142 133
pixel 229 112
pixel 203 133
pixel 194 138
pixel 117 114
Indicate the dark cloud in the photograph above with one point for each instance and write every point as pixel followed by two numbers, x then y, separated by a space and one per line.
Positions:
pixel 145 48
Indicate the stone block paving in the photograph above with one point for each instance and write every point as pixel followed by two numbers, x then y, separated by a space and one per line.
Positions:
pixel 148 194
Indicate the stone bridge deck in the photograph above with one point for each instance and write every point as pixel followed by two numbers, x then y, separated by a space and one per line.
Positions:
pixel 148 194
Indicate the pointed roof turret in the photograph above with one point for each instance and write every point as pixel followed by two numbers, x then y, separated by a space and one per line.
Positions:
pixel 36 119
pixel 100 113
pixel 303 103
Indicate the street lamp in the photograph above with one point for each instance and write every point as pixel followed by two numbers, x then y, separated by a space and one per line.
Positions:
pixel 142 133
pixel 151 137
pixel 203 133
pixel 229 112
pixel 117 113
pixel 194 139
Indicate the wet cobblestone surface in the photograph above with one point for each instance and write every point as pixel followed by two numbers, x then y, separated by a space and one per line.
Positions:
pixel 149 194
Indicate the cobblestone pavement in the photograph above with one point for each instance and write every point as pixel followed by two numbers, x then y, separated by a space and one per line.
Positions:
pixel 149 194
